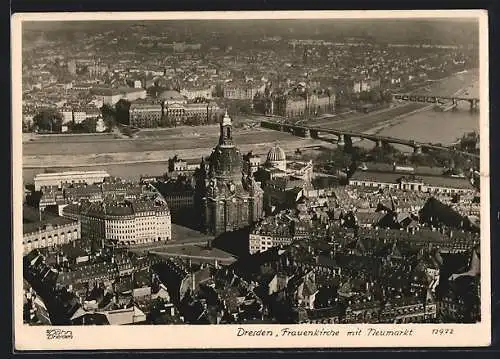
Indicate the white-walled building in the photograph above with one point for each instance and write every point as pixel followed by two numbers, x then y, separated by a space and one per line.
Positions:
pixel 110 96
pixel 49 233
pixel 59 179
pixel 127 223
pixel 426 183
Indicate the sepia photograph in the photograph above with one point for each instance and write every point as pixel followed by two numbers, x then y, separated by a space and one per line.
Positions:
pixel 251 179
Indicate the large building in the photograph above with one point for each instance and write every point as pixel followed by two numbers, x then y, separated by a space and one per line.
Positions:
pixel 126 223
pixel 145 114
pixel 192 93
pixel 59 179
pixel 302 104
pixel 244 91
pixel 179 195
pixel 202 112
pixel 365 85
pixel 279 230
pixel 412 182
pixel 230 200
pixel 276 166
pixel 171 108
pixel 42 231
pixel 110 96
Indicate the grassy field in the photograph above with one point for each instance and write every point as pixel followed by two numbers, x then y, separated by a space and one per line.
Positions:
pixel 171 140
pixel 190 150
pixel 134 164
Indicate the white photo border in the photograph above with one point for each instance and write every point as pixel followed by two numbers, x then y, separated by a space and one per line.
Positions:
pixel 225 336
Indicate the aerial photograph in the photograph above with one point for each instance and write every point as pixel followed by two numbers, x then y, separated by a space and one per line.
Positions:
pixel 251 171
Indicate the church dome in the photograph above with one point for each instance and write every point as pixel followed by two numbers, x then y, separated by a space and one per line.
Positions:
pixel 226 162
pixel 276 154
pixel 226 159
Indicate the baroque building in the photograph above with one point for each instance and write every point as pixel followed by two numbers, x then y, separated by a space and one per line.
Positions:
pixel 228 197
pixel 277 166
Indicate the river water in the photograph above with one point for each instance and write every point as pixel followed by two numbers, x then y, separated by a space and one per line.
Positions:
pixel 437 126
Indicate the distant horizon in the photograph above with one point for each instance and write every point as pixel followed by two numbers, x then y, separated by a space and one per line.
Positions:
pixel 434 30
pixel 43 24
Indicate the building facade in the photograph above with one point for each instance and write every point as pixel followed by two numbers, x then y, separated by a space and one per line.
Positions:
pixel 126 223
pixel 426 184
pixel 145 115
pixel 276 166
pixel 59 179
pixel 192 93
pixel 301 105
pixel 112 95
pixel 181 113
pixel 46 235
pixel 242 92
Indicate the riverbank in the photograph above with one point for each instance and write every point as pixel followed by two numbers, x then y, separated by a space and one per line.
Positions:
pixel 436 126
pixel 148 153
pixel 127 158
pixel 425 124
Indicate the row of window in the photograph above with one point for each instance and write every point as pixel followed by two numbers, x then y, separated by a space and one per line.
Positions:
pixel 70 234
pixel 30 245
pixel 408 186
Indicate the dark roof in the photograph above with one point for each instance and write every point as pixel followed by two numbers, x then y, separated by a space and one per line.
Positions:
pixel 171 95
pixel 115 91
pixel 32 223
pixel 452 182
pixel 384 177
pixel 393 177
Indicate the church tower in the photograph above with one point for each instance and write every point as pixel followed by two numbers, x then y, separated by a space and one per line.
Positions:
pixel 229 199
pixel 226 128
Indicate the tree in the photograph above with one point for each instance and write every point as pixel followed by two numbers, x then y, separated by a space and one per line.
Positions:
pixel 89 125
pixel 386 96
pixel 48 120
pixel 219 90
pixel 244 107
pixel 364 96
pixel 122 111
pixel 108 115
pixel 375 96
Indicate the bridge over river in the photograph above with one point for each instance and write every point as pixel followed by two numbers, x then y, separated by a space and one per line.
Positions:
pixel 437 99
pixel 344 137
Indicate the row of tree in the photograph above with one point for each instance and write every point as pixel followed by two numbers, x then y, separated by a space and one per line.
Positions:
pixel 50 121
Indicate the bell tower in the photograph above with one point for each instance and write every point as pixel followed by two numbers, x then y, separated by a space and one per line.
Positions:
pixel 226 135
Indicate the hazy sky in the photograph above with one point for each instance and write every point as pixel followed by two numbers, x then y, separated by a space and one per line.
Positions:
pixel 462 30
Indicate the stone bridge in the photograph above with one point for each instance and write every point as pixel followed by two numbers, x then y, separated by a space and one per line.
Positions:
pixel 430 98
pixel 344 137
